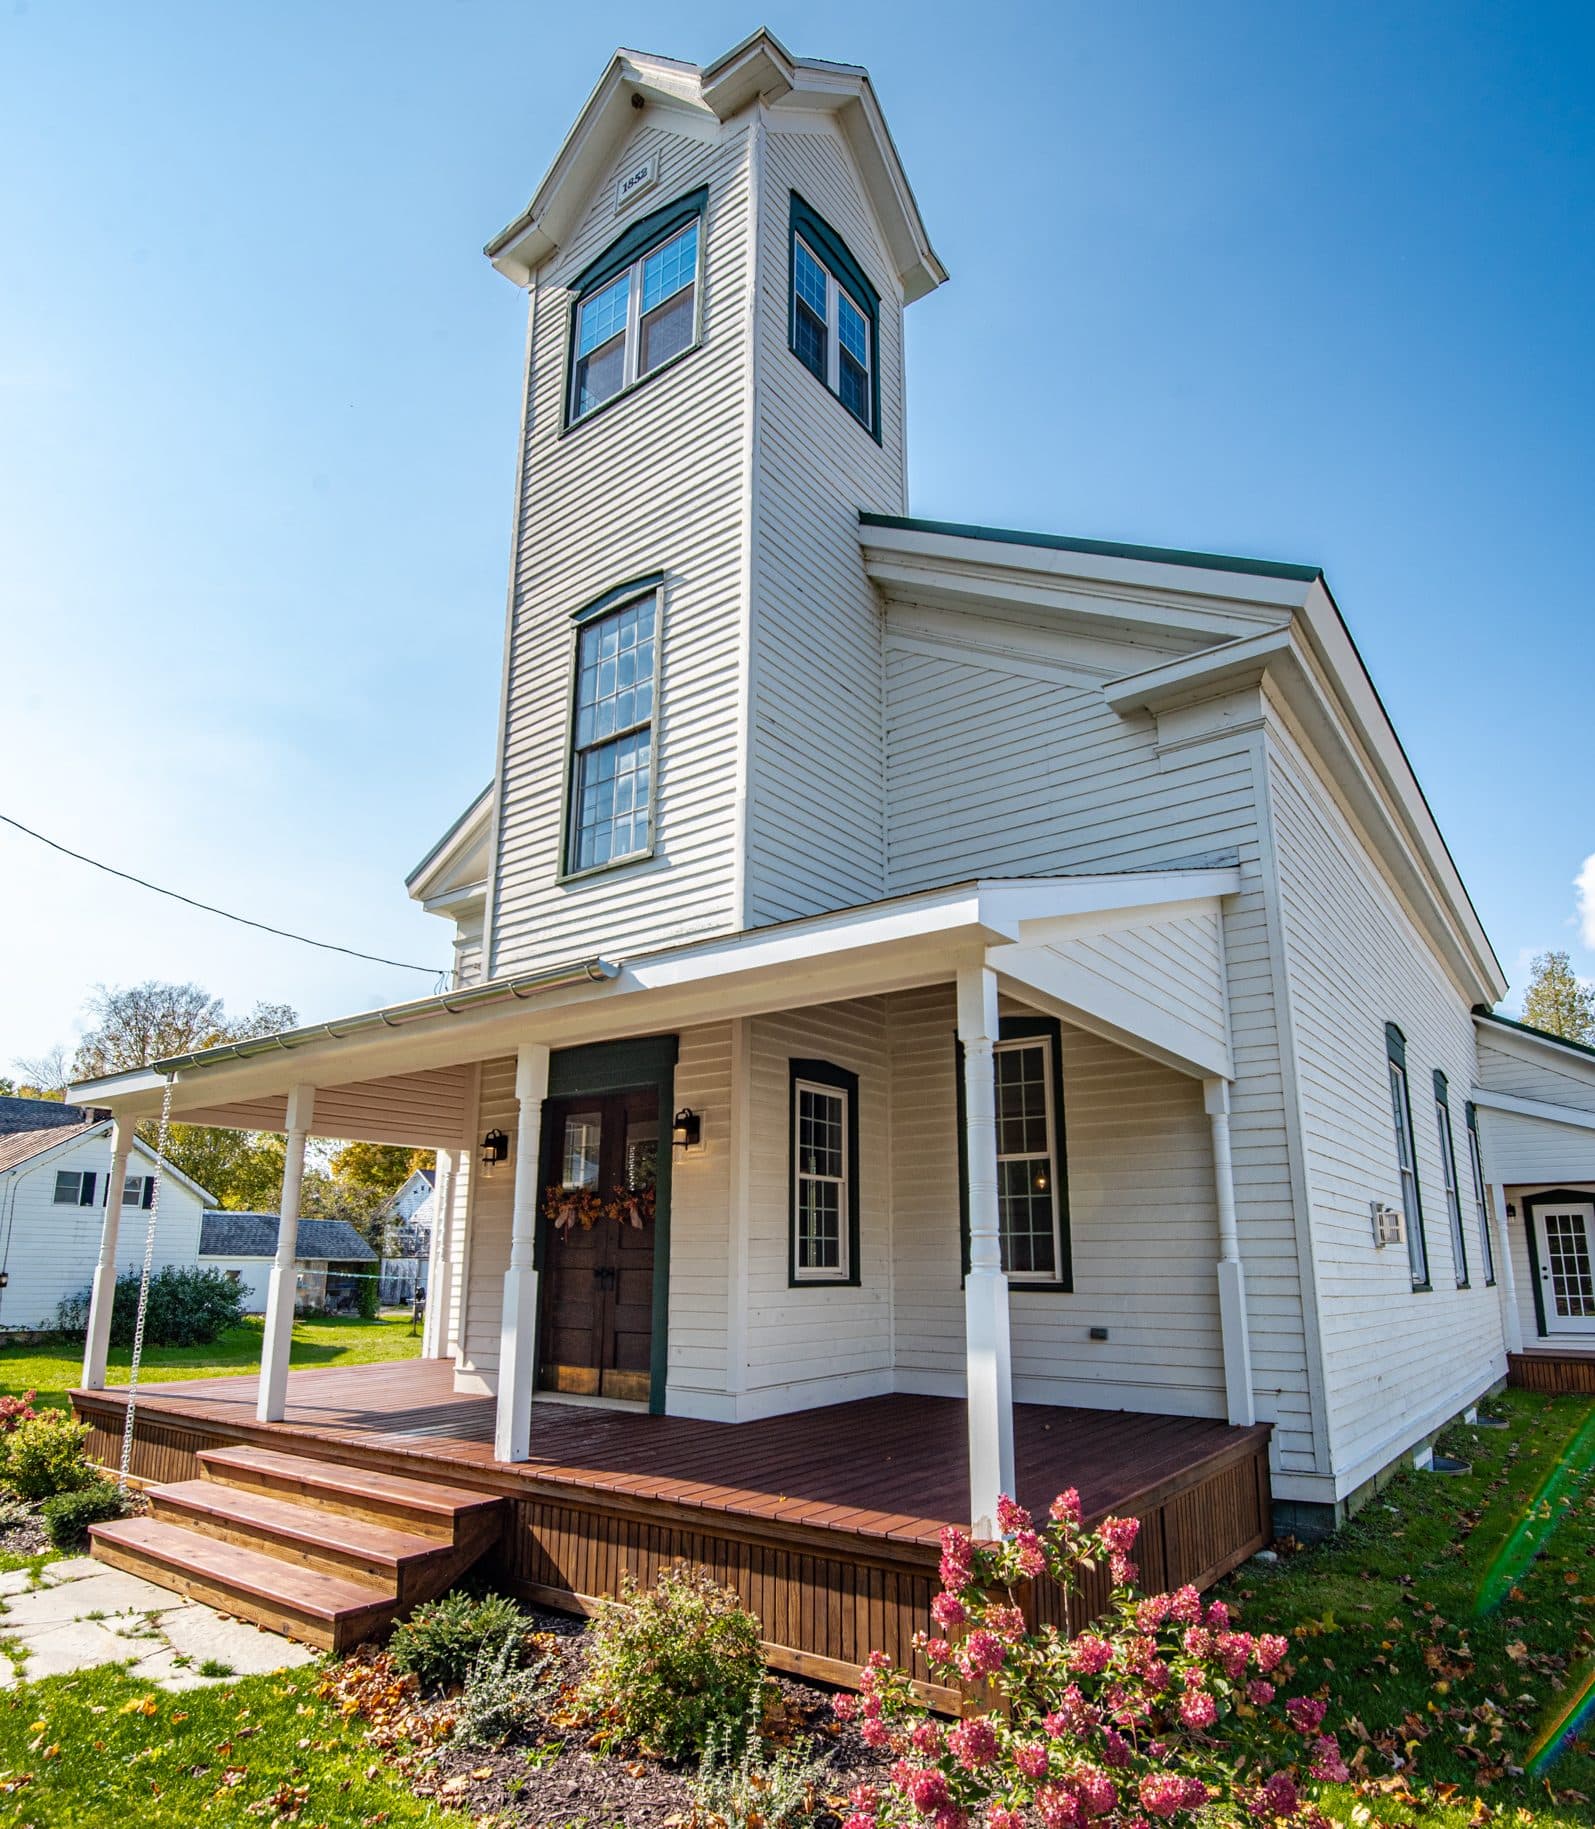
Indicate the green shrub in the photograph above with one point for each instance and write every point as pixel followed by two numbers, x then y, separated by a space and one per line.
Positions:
pixel 370 1297
pixel 68 1515
pixel 46 1456
pixel 672 1666
pixel 501 1694
pixel 187 1307
pixel 442 1640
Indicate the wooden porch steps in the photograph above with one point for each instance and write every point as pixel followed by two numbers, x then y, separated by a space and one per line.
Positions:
pixel 324 1553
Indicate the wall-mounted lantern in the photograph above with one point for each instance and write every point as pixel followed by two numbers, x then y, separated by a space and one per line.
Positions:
pixel 495 1149
pixel 686 1129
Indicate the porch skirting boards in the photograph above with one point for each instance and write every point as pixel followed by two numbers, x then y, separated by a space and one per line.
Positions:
pixel 778 1510
pixel 1553 1370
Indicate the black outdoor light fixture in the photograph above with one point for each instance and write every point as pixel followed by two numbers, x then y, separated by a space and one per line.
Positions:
pixel 686 1129
pixel 495 1149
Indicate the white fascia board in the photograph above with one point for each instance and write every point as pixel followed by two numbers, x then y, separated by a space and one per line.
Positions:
pixel 137 1082
pixel 1531 1047
pixel 455 903
pixel 1191 676
pixel 1542 1109
pixel 469 829
pixel 884 545
pixel 1061 898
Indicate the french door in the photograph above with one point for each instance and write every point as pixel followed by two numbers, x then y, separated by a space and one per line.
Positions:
pixel 1565 1245
pixel 600 1160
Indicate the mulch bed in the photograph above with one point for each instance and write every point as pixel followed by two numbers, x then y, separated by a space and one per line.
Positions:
pixel 25 1535
pixel 547 1773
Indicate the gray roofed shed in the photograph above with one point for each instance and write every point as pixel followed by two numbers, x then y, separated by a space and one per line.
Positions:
pixel 335 1241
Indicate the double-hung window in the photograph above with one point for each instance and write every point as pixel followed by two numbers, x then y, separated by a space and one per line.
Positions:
pixel 1448 1168
pixel 138 1190
pixel 75 1187
pixel 824 1213
pixel 636 306
pixel 612 734
pixel 835 322
pixel 1032 1203
pixel 1481 1203
pixel 1406 1157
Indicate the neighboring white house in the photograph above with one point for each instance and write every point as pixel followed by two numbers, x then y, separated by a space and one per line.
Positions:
pixel 899 955
pixel 55 1163
pixel 331 1256
pixel 404 1221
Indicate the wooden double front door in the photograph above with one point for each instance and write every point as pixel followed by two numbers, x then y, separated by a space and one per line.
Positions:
pixel 600 1164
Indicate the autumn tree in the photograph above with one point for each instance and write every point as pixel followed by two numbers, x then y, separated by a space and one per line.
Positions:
pixel 1558 1001
pixel 382 1167
pixel 44 1076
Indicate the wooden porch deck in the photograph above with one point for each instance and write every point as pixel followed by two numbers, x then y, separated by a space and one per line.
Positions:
pixel 1555 1371
pixel 826 1521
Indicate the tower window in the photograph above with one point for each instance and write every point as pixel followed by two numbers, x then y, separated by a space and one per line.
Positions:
pixel 835 317
pixel 636 306
pixel 610 792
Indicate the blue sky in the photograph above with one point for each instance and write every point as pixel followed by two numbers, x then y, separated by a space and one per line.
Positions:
pixel 1306 282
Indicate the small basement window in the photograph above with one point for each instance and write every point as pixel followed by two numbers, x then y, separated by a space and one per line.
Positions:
pixel 824 1210
pixel 835 323
pixel 636 306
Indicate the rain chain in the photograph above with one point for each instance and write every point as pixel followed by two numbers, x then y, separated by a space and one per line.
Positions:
pixel 144 1279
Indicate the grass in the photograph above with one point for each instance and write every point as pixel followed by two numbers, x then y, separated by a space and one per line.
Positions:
pixel 53 1369
pixel 78 1752
pixel 1452 1625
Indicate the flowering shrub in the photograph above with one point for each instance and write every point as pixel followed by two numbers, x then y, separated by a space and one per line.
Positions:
pixel 14 1410
pixel 1161 1712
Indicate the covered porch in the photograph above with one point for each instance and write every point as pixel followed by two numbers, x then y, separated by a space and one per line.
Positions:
pixel 826 1522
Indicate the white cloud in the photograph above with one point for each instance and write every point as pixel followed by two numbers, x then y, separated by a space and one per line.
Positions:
pixel 1584 889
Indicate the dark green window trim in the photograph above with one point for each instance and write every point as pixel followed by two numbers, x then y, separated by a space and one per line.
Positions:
pixel 620 254
pixel 834 252
pixel 616 598
pixel 625 1066
pixel 1448 1144
pixel 1019 1028
pixel 1396 1049
pixel 822 1073
pixel 1481 1197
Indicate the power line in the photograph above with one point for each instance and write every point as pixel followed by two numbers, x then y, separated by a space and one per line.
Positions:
pixel 265 927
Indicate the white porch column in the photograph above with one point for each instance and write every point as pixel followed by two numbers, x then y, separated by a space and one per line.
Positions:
pixel 1231 1276
pixel 98 1339
pixel 512 1426
pixel 281 1290
pixel 437 1255
pixel 989 1356
pixel 1505 1273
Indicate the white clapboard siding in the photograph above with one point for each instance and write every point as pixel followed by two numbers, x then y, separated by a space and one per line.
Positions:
pixel 815 809
pixel 49 1252
pixel 487 1228
pixel 1521 1150
pixel 652 483
pixel 1393 1358
pixel 1533 1073
pixel 1143 1226
pixel 699 1204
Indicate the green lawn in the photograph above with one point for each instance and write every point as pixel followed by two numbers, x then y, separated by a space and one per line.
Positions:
pixel 1450 1623
pixel 53 1369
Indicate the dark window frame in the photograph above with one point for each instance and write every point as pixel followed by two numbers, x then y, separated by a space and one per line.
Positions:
pixel 1449 1177
pixel 835 1079
pixel 610 603
pixel 1481 1196
pixel 805 223
pixel 1417 1240
pixel 627 251
pixel 1025 1028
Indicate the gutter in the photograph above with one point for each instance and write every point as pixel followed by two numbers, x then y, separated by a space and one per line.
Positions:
pixel 391 1016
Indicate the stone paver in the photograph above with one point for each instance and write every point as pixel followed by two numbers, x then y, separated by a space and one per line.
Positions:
pixel 163 1640
pixel 15 1581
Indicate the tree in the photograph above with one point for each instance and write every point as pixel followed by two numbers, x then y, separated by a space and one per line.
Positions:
pixel 324 1196
pixel 44 1076
pixel 146 1022
pixel 242 1169
pixel 1558 1001
pixel 384 1167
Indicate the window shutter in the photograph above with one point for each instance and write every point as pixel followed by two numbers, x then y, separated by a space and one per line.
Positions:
pixel 148 1197
pixel 86 1192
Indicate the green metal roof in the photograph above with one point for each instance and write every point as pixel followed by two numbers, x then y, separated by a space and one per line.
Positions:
pixel 1106 549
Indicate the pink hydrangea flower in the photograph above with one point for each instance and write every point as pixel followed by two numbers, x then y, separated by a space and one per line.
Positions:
pixel 1011 1517
pixel 1151 1612
pixel 1163 1794
pixel 926 1789
pixel 1271 1650
pixel 1185 1605
pixel 1032 1557
pixel 1090 1655
pixel 1098 1793
pixel 1059 1807
pixel 926 1738
pixel 1071 1716
pixel 1260 1692
pixel 983 1653
pixel 973 1743
pixel 1279 1796
pixel 1116 1750
pixel 875 1735
pixel 862 1797
pixel 999 1816
pixel 1007 1622
pixel 858 1820
pixel 1031 1758
pixel 1306 1713
pixel 1198 1709
pixel 1196 1793
pixel 844 1707
pixel 1120 1534
pixel 1218 1617
pixel 1065 1509
pixel 1328 1766
pixel 1197 1642
pixel 1235 1652
pixel 937 1650
pixel 956 1551
pixel 948 1611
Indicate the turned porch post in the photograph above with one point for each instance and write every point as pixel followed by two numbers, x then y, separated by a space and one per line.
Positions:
pixel 1231 1276
pixel 284 1282
pixel 98 1339
pixel 988 1354
pixel 512 1425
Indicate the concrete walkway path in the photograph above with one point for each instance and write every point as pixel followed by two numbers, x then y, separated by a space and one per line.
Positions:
pixel 85 1613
